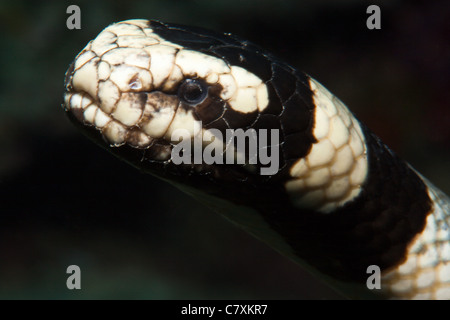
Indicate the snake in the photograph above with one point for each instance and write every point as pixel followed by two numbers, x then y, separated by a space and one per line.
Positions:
pixel 333 197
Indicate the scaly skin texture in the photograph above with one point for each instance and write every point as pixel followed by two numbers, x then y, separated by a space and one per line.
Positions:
pixel 339 201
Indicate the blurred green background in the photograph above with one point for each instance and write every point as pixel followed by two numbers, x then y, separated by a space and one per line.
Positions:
pixel 64 201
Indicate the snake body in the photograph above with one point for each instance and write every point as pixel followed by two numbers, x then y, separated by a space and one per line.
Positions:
pixel 340 199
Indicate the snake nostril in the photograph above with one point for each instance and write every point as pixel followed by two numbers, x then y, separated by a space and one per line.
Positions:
pixel 135 83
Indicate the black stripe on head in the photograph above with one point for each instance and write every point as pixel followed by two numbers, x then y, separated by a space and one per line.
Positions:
pixel 231 49
pixel 253 61
pixel 284 82
pixel 194 38
pixel 297 116
pixel 210 112
pixel 237 120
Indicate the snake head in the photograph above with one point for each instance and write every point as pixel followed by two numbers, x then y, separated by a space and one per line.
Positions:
pixel 140 81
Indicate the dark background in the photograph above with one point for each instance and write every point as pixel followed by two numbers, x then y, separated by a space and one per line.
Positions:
pixel 65 201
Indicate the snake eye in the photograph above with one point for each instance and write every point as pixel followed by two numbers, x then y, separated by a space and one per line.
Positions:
pixel 193 91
